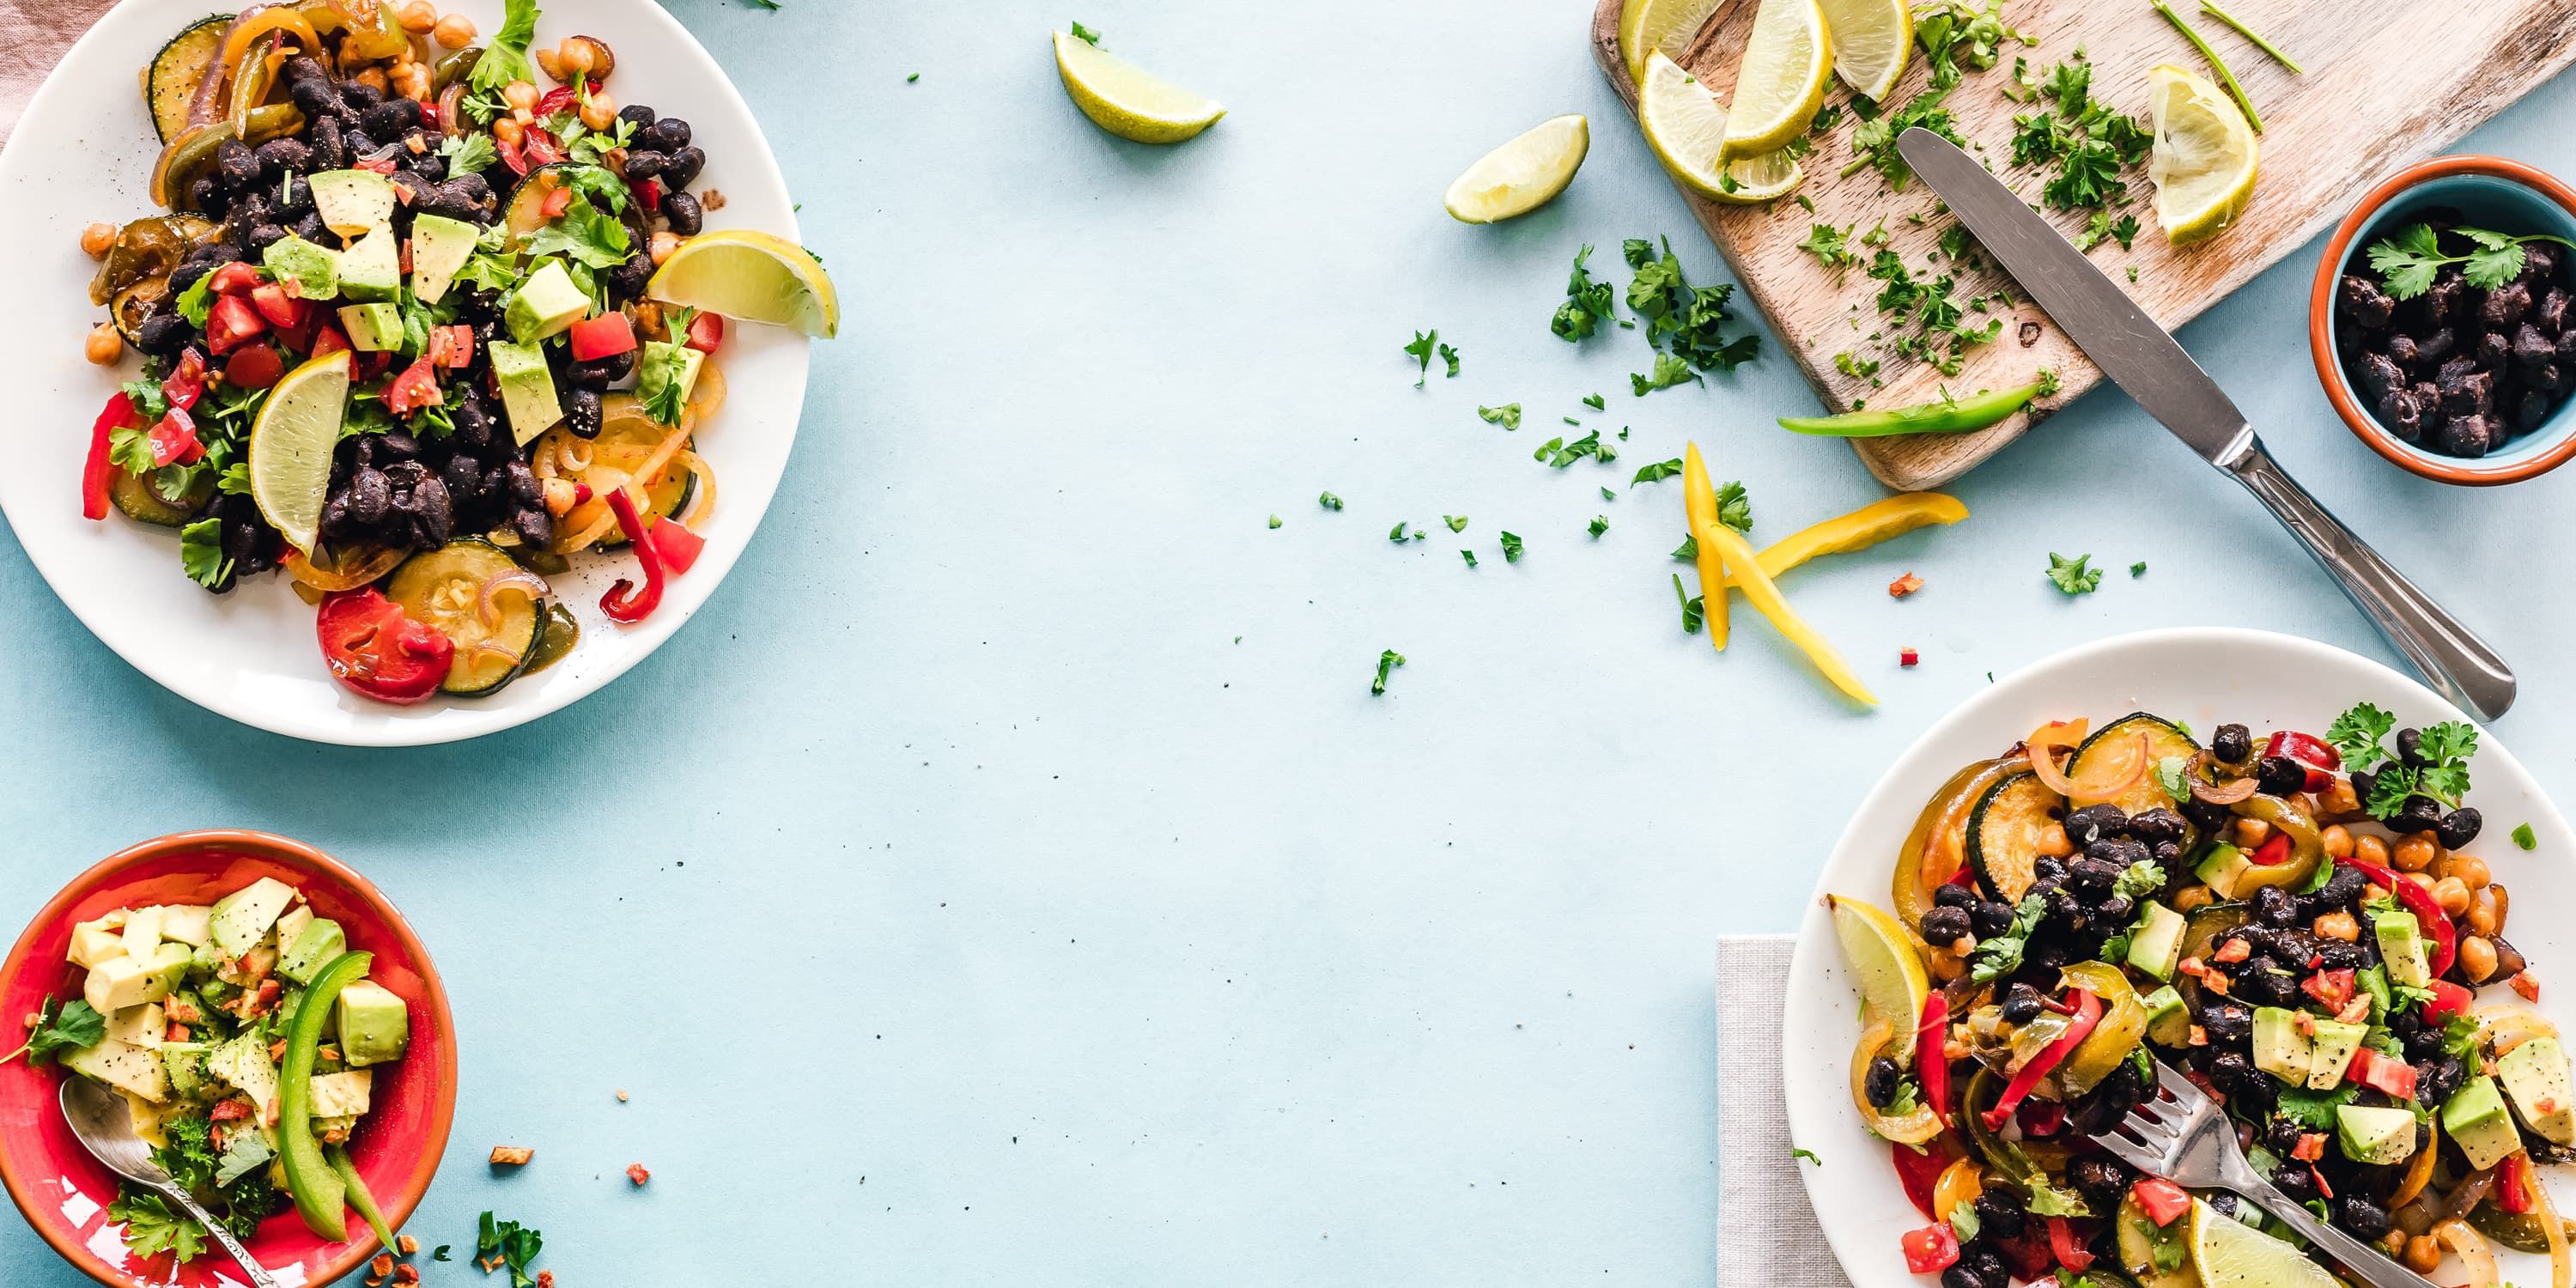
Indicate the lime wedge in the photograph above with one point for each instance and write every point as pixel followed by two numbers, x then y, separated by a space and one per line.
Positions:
pixel 1753 180
pixel 1686 128
pixel 1521 175
pixel 1646 26
pixel 751 276
pixel 2204 159
pixel 1871 41
pixel 1128 102
pixel 290 447
pixel 1788 62
pixel 1885 966
pixel 2227 1253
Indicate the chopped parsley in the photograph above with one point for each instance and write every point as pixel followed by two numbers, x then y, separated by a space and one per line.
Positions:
pixel 1831 246
pixel 1694 607
pixel 2440 771
pixel 1595 402
pixel 2071 576
pixel 1734 507
pixel 1386 663
pixel 2522 836
pixel 2138 569
pixel 1274 521
pixel 1656 471
pixel 1449 355
pixel 1085 34
pixel 2001 955
pixel 1587 303
pixel 468 153
pixel 1558 453
pixel 1456 522
pixel 1420 352
pixel 1508 415
pixel 1469 556
pixel 1329 501
pixel 1669 371
pixel 1600 524
pixel 1808 1155
pixel 201 553
pixel 1686 322
pixel 1511 548
pixel 507 1243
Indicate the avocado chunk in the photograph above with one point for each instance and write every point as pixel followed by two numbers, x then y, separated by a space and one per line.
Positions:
pixel 2376 1136
pixel 352 201
pixel 345 1094
pixel 372 328
pixel 120 982
pixel 121 1065
pixel 139 1026
pixel 243 918
pixel 663 367
pixel 2401 945
pixel 545 304
pixel 244 1066
pixel 2168 1019
pixel 2279 1048
pixel 185 1065
pixel 375 1025
pixel 142 931
pixel 2535 1080
pixel 371 269
pixel 188 923
pixel 92 944
pixel 2475 1118
pixel 307 271
pixel 527 388
pixel 2331 1048
pixel 2156 945
pixel 439 248
pixel 313 948
pixel 2221 867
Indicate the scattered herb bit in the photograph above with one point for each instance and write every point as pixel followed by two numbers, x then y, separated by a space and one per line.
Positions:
pixel 1807 1155
pixel 1570 420
pixel 1587 303
pixel 1694 607
pixel 1657 471
pixel 2138 569
pixel 2216 64
pixel 2407 262
pixel 1734 507
pixel 1456 522
pixel 1396 534
pixel 2133 272
pixel 1595 402
pixel 1386 664
pixel 1874 143
pixel 1687 551
pixel 1831 246
pixel 1511 548
pixel 1086 35
pixel 1669 371
pixel 2071 576
pixel 1600 524
pixel 1274 520
pixel 1469 556
pixel 2438 769
pixel 913 77
pixel 2102 226
pixel 201 553
pixel 1608 495
pixel 2522 836
pixel 152 1228
pixel 1685 321
pixel 2046 379
pixel 2256 37
pixel 1508 415
pixel 1420 352
pixel 1558 453
pixel 507 1243
pixel 1449 355
pixel 1329 501
pixel 2001 955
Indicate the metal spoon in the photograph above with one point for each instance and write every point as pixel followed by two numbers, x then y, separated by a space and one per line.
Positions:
pixel 106 1128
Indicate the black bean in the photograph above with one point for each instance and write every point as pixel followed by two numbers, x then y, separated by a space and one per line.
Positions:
pixel 2437 1079
pixel 670 134
pixel 2505 306
pixel 2509 960
pixel 1880 1083
pixel 524 486
pixel 2459 828
pixel 2021 1004
pixel 2342 888
pixel 2360 299
pixel 430 166
pixel 1999 1214
pixel 395 445
pixel 464 480
pixel 2231 744
pixel 628 279
pixel 370 496
pixel 1991 919
pixel 1941 926
pixel 2281 1135
pixel 2551 312
pixel 358 96
pixel 1954 896
pixel 2273 906
pixel 2378 375
pixel 2114 910
pixel 683 212
pixel 581 413
pixel 683 167
pixel 2093 823
pixel 534 526
pixel 328 148
pixel 2227 1023
pixel 2419 813
pixel 1961 1274
pixel 2094 875
pixel 262 236
pixel 161 334
pixel 2552 377
pixel 636 114
pixel 2491 349
pixel 2156 825
pixel 2099 1178
pixel 645 164
pixel 2359 1214
pixel 279 156
pixel 2279 776
pixel 2402 415
pixel 597 374
pixel 390 118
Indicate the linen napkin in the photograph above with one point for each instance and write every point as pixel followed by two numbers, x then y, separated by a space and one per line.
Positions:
pixel 38 33
pixel 1767 1236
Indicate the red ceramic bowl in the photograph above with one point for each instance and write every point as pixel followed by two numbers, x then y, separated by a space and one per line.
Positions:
pixel 63 1192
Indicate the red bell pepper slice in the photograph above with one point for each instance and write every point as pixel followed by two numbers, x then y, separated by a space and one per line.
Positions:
pixel 415 388
pixel 1919 1172
pixel 1931 1036
pixel 556 202
pixel 538 147
pixel 648 194
pixel 621 603
pixel 2272 853
pixel 562 98
pixel 2088 1012
pixel 376 649
pixel 254 366
pixel 2040 1119
pixel 99 469
pixel 384 166
pixel 2429 916
pixel 604 336
pixel 2067 1246
pixel 186 381
pixel 2331 987
pixel 1932 1249
pixel 706 331
pixel 512 156
pixel 174 440
pixel 234 278
pixel 232 323
pixel 2513 1183
pixel 2162 1200
pixel 2303 748
pixel 679 549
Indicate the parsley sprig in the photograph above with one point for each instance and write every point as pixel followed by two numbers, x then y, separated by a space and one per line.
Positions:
pixel 2408 262
pixel 1587 303
pixel 2439 768
pixel 74 1024
pixel 507 1244
pixel 2071 575
pixel 2001 955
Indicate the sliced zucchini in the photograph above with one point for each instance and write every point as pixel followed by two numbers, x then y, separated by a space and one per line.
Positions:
pixel 170 83
pixel 2164 738
pixel 142 499
pixel 444 589
pixel 2003 834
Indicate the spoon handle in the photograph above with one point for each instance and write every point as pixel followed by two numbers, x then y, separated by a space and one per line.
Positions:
pixel 259 1276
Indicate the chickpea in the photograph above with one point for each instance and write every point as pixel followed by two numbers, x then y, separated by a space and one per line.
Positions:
pixel 2481 911
pixel 599 112
pixel 455 31
pixel 2414 853
pixel 663 244
pixel 105 346
pixel 2423 1254
pixel 2251 833
pixel 582 56
pixel 2393 1243
pixel 1947 965
pixel 419 16
pixel 520 96
pixel 2370 849
pixel 2422 881
pixel 98 239
pixel 2477 958
pixel 374 79
pixel 2053 842
pixel 2339 799
pixel 505 130
pixel 2193 896
pixel 2471 870
pixel 2338 841
pixel 2338 925
pixel 2452 894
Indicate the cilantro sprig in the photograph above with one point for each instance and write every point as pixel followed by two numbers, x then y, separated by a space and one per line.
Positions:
pixel 2439 769
pixel 507 1244
pixel 2001 955
pixel 73 1024
pixel 2408 262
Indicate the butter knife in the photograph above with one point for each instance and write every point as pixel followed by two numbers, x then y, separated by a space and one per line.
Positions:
pixel 2143 359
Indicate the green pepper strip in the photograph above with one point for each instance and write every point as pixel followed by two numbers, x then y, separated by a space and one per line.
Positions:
pixel 359 1196
pixel 1948 416
pixel 320 1195
pixel 2007 1158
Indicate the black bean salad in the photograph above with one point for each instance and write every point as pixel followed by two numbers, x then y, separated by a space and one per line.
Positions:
pixel 2294 923
pixel 415 330
pixel 2458 338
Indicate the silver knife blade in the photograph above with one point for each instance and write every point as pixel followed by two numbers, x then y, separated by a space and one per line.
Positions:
pixel 2139 356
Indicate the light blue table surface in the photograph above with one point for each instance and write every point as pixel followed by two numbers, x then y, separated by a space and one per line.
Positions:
pixel 1009 878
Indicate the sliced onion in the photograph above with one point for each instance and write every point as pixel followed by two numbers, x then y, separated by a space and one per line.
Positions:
pixel 2502 1026
pixel 488 648
pixel 2109 784
pixel 488 605
pixel 2467 1194
pixel 2556 1229
pixel 2472 1250
pixel 451 109
pixel 344 575
pixel 2233 792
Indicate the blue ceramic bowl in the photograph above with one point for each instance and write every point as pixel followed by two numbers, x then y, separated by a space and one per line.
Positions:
pixel 2484 192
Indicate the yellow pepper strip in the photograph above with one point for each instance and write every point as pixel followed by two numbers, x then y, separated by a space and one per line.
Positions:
pixel 1859 530
pixel 1699 501
pixel 1765 595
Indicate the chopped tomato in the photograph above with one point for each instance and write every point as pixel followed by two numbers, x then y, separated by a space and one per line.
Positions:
pixel 280 308
pixel 636 1172
pixel 604 336
pixel 186 381
pixel 2371 1069
pixel 451 346
pixel 2162 1200
pixel 706 331
pixel 235 278
pixel 539 147
pixel 2272 853
pixel 230 1111
pixel 2332 987
pixel 329 340
pixel 415 388
pixel 378 651
pixel 1932 1249
pixel 255 366
pixel 2067 1246
pixel 556 202
pixel 174 440
pixel 679 546
pixel 232 323
pixel 2303 748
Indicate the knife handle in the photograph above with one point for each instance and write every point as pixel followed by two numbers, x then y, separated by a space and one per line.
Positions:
pixel 2458 664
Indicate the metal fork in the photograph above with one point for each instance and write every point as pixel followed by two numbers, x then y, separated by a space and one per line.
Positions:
pixel 2184 1136
pixel 102 1123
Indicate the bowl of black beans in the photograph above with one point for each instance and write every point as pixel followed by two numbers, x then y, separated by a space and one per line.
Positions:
pixel 2443 320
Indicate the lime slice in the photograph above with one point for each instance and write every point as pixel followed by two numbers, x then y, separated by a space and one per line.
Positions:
pixel 1127 102
pixel 1521 175
pixel 1753 180
pixel 1788 62
pixel 1646 26
pixel 1871 41
pixel 751 276
pixel 2204 158
pixel 290 447
pixel 1886 966
pixel 1686 128
pixel 2227 1253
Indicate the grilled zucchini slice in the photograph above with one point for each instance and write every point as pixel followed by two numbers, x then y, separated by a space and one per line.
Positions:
pixel 171 81
pixel 2003 834
pixel 444 588
pixel 2164 739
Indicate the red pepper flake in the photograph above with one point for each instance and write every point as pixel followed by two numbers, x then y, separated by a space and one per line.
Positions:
pixel 1908 657
pixel 2324 1190
pixel 1904 586
pixel 635 1172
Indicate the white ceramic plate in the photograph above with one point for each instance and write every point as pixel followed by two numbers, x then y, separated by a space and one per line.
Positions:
pixel 2202 677
pixel 83 153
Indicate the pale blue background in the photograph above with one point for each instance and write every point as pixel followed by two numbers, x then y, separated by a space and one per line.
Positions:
pixel 962 903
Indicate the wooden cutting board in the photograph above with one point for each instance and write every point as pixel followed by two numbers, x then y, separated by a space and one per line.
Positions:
pixel 2386 83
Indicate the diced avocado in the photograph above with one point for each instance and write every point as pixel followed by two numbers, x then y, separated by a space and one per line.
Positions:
pixel 292 923
pixel 2401 945
pixel 142 932
pixel 139 1026
pixel 92 945
pixel 2156 945
pixel 244 917
pixel 320 941
pixel 243 1065
pixel 2535 1080
pixel 545 304
pixel 372 328
pixel 371 269
pixel 2168 1019
pixel 352 201
pixel 2279 1048
pixel 185 1065
pixel 2376 1136
pixel 121 1065
pixel 307 271
pixel 527 388
pixel 345 1094
pixel 120 982
pixel 187 923
pixel 2475 1118
pixel 663 366
pixel 2220 868
pixel 375 1025
pixel 2331 1048
pixel 439 247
